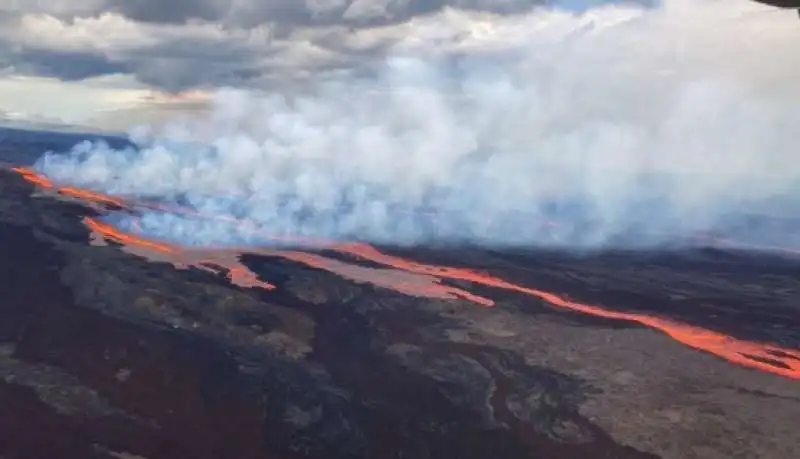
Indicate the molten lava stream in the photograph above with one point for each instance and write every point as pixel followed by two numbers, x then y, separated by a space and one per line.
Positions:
pixel 228 259
pixel 727 347
pixel 182 258
pixel 78 193
pixel 746 353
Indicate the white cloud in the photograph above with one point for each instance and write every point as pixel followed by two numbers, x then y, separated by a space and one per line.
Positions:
pixel 206 55
pixel 669 121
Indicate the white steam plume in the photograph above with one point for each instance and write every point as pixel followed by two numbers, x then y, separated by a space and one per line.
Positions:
pixel 625 125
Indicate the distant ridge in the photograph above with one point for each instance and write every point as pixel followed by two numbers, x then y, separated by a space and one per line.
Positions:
pixel 24 145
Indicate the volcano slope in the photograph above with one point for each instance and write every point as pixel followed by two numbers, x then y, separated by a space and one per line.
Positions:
pixel 114 346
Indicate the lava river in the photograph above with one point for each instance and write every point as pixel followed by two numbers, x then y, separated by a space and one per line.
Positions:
pixel 398 274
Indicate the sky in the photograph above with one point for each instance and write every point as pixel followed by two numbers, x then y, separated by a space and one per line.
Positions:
pixel 111 63
pixel 115 63
pixel 630 123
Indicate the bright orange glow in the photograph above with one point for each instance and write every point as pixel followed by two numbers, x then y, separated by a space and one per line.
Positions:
pixel 84 195
pixel 724 346
pixel 33 177
pixel 87 195
pixel 239 274
pixel 109 232
pixel 403 281
pixel 181 258
pixel 419 279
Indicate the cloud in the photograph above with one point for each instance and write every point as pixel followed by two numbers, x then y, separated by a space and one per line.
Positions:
pixel 184 44
pixel 629 126
pixel 65 65
pixel 169 57
pixel 249 13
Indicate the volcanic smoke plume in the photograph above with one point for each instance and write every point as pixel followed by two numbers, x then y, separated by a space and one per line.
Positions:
pixel 624 125
pixel 402 275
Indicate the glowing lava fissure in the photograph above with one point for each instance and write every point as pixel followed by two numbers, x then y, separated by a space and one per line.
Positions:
pixel 410 277
pixel 77 193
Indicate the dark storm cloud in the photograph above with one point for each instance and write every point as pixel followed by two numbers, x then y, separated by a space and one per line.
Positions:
pixel 176 57
pixel 186 63
pixel 248 13
pixel 286 13
pixel 180 44
pixel 171 11
pixel 64 65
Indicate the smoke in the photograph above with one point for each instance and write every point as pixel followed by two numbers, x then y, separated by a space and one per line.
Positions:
pixel 622 125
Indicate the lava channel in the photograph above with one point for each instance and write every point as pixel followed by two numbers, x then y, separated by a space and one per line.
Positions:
pixel 230 259
pixel 426 280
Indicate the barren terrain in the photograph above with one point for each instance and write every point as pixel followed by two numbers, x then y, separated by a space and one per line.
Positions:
pixel 112 348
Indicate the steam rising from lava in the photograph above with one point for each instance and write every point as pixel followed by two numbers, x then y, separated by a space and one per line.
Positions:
pixel 399 274
pixel 627 126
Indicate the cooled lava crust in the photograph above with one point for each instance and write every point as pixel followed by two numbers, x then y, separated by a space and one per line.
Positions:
pixel 106 352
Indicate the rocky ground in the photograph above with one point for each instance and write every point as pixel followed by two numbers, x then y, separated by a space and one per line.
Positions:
pixel 106 354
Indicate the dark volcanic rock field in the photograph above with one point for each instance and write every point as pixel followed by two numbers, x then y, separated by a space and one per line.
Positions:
pixel 104 354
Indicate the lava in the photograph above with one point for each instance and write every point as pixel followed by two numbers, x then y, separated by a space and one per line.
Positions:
pixel 181 258
pixel 403 281
pixel 229 259
pixel 416 284
pixel 78 193
pixel 412 278
pixel 109 232
pixel 743 352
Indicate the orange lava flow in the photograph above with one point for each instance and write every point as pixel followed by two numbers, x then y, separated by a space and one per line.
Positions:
pixel 732 349
pixel 403 281
pixel 228 259
pixel 109 232
pixel 414 278
pixel 181 258
pixel 78 193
